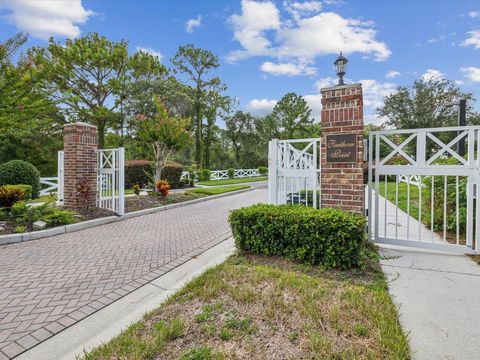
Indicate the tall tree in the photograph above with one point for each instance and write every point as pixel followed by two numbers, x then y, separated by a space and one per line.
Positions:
pixel 291 117
pixel 215 105
pixel 85 74
pixel 237 126
pixel 25 106
pixel 424 104
pixel 196 64
pixel 166 135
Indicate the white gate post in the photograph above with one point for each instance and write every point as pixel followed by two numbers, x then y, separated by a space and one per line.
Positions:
pixel 60 180
pixel 272 171
pixel 121 181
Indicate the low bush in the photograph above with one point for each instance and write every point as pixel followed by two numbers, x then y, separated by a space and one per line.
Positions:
pixel 136 189
pixel 27 189
pixel 163 187
pixel 24 215
pixel 231 173
pixel 204 175
pixel 327 237
pixel 139 172
pixel 17 172
pixel 263 170
pixel 172 172
pixel 10 194
pixel 142 172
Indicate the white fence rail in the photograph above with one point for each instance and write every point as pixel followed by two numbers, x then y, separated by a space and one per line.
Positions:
pixel 294 172
pixel 223 174
pixel 435 206
pixel 54 184
pixel 110 180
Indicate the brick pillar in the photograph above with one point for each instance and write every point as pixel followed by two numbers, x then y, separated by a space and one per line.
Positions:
pixel 80 162
pixel 342 147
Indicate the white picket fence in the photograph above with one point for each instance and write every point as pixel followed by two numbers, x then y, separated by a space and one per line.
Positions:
pixel 223 174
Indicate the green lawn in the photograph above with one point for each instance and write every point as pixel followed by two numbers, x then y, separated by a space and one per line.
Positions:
pixel 232 181
pixel 402 196
pixel 267 308
pixel 217 190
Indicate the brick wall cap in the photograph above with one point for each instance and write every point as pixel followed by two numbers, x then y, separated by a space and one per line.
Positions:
pixel 339 87
pixel 79 123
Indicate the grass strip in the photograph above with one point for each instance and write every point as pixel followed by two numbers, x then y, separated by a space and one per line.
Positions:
pixel 232 181
pixel 217 190
pixel 268 308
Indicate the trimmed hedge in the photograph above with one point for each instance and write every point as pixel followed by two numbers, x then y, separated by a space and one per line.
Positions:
pixel 263 170
pixel 327 237
pixel 138 172
pixel 19 172
pixel 142 171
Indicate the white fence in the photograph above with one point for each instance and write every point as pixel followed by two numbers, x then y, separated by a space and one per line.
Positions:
pixel 110 180
pixel 223 174
pixel 435 208
pixel 294 172
pixel 54 183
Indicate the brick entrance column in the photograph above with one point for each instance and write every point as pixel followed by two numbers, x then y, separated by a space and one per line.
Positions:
pixel 80 162
pixel 342 147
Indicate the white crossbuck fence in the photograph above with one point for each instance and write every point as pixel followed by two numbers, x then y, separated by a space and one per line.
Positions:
pixel 54 184
pixel 422 192
pixel 223 174
pixel 110 180
pixel 294 172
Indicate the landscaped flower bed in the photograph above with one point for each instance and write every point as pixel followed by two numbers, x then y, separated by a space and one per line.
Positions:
pixel 20 218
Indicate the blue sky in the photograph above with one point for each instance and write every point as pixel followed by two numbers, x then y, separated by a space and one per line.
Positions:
pixel 269 48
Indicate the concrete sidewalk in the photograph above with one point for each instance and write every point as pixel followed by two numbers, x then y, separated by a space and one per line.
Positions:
pixel 438 295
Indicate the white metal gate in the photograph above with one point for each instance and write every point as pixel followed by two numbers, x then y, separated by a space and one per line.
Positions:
pixel 294 172
pixel 110 180
pixel 421 191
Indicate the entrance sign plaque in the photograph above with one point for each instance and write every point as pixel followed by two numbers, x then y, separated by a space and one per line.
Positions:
pixel 341 148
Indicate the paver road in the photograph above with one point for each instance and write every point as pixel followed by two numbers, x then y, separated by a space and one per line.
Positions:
pixel 49 284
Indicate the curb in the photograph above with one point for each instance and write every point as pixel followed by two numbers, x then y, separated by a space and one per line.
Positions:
pixel 36 235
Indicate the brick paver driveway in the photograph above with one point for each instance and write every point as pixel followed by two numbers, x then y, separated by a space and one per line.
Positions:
pixel 49 284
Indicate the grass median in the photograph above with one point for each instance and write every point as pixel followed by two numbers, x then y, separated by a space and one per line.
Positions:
pixel 232 181
pixel 254 307
pixel 217 190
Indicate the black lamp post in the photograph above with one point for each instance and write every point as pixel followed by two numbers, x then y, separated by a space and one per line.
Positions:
pixel 341 66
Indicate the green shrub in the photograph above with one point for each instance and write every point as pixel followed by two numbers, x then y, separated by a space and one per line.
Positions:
pixel 27 189
pixel 172 172
pixel 20 229
pixel 17 172
pixel 138 172
pixel 192 174
pixel 231 173
pixel 25 215
pixel 328 237
pixel 204 175
pixel 59 217
pixel 263 170
pixel 10 194
pixel 142 172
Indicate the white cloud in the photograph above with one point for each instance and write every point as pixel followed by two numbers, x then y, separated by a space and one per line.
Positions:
pixel 325 82
pixel 471 73
pixel 392 74
pixel 250 27
pixel 151 52
pixel 299 9
pixel 261 106
pixel 432 75
pixel 191 24
pixel 473 39
pixel 373 119
pixel 305 38
pixel 47 18
pixel 474 14
pixel 288 69
pixel 315 103
pixel 374 92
